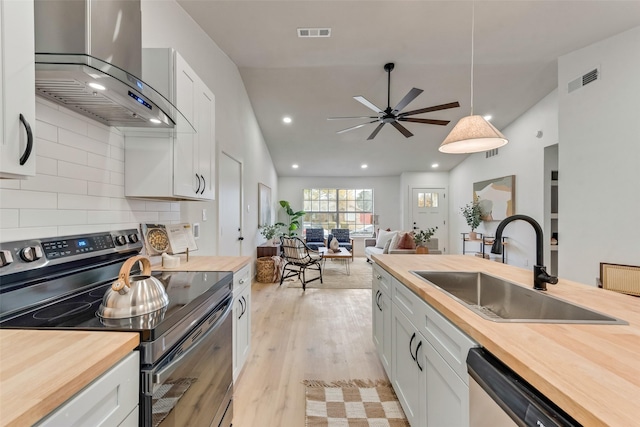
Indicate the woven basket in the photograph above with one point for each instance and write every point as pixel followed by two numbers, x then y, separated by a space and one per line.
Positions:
pixel 265 272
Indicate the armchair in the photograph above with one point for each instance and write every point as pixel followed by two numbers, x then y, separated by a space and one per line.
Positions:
pixel 315 238
pixel 298 258
pixel 342 236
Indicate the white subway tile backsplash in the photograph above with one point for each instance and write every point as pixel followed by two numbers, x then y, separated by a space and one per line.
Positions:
pixel 28 199
pixel 11 234
pixel 9 218
pixel 73 201
pixel 45 217
pixel 79 182
pixel 46 166
pixel 107 217
pixel 170 217
pixel 87 173
pixel 108 190
pixel 81 142
pixel 61 152
pixel 158 206
pixel 53 184
pixel 46 131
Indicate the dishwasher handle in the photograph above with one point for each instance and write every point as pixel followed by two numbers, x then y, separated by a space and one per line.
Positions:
pixel 520 400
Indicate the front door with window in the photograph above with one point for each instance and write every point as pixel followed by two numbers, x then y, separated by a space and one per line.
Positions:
pixel 429 209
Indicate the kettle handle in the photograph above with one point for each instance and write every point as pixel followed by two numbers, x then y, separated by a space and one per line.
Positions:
pixel 123 276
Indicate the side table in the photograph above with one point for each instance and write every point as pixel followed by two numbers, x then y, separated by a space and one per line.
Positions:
pixel 268 250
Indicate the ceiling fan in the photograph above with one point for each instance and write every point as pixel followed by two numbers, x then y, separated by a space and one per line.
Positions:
pixel 394 116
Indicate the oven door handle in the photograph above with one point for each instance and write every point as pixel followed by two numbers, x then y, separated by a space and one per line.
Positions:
pixel 162 375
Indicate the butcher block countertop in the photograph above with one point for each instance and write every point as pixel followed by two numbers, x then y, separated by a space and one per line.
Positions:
pixel 590 371
pixel 206 263
pixel 40 370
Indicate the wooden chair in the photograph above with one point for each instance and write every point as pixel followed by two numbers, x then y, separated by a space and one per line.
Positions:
pixel 298 258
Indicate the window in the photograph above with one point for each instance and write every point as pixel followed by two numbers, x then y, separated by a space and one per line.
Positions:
pixel 427 200
pixel 339 208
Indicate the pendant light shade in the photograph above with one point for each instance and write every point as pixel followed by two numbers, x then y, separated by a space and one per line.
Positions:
pixel 472 134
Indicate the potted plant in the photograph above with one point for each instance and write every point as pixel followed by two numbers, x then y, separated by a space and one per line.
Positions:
pixel 294 217
pixel 269 232
pixel 472 213
pixel 421 238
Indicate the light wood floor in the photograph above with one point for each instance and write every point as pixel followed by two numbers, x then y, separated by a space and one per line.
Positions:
pixel 321 334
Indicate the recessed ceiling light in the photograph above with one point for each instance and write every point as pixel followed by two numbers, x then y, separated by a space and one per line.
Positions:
pixel 435 165
pixel 97 86
pixel 488 117
pixel 286 119
pixel 156 121
pixel 364 166
pixel 295 166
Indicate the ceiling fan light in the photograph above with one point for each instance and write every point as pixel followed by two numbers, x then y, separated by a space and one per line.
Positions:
pixel 472 134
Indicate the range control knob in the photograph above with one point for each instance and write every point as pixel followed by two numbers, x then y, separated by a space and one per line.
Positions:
pixel 5 258
pixel 121 240
pixel 31 253
pixel 133 238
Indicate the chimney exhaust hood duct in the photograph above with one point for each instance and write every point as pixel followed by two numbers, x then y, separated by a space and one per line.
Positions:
pixel 88 57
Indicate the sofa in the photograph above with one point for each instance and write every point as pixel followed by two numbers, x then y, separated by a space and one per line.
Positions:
pixel 383 245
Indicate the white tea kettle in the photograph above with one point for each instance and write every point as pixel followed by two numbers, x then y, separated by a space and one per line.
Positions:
pixel 132 296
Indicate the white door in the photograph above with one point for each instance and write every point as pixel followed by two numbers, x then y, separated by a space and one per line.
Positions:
pixel 429 210
pixel 230 206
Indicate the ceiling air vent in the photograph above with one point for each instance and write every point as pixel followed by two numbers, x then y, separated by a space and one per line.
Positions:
pixel 491 153
pixel 584 80
pixel 314 32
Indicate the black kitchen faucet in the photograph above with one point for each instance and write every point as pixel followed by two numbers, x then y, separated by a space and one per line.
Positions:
pixel 540 275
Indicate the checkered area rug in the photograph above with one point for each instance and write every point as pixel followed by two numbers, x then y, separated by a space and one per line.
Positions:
pixel 355 403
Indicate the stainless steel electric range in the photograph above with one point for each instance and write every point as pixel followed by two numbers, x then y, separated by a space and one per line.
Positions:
pixel 58 283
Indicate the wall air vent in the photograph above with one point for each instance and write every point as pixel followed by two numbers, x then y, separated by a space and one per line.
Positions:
pixel 491 153
pixel 314 32
pixel 584 80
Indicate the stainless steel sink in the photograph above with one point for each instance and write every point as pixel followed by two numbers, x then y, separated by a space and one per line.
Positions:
pixel 503 301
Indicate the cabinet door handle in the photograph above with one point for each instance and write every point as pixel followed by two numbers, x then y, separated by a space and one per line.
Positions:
pixel 27 150
pixel 379 296
pixel 411 342
pixel 241 307
pixel 416 358
pixel 204 182
pixel 244 306
pixel 198 178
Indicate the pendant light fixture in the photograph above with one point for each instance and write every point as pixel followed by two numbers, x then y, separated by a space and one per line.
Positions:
pixel 472 134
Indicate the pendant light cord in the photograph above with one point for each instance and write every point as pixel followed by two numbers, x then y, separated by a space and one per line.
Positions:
pixel 473 25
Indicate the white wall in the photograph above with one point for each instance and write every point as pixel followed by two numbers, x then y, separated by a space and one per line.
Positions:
pixel 522 157
pixel 166 24
pixel 599 158
pixel 79 182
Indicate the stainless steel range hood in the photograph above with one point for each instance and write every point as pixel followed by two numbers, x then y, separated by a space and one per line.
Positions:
pixel 88 57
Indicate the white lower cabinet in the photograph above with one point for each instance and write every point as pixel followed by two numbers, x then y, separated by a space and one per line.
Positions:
pixel 428 358
pixel 241 319
pixel 382 321
pixel 110 400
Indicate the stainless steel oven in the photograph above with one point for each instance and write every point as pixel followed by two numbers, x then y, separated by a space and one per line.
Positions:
pixel 186 348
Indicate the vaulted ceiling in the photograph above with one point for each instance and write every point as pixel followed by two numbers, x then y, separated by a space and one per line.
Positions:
pixel 517 43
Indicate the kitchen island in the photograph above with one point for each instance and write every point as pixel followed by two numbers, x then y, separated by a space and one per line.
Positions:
pixel 40 370
pixel 590 371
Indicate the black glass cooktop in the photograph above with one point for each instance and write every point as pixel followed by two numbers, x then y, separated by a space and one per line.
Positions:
pixel 187 291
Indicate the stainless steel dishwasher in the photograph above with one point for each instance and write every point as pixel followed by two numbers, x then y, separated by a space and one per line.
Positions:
pixel 498 397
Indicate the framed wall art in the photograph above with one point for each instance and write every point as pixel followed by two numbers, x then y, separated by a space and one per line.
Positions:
pixel 496 197
pixel 264 205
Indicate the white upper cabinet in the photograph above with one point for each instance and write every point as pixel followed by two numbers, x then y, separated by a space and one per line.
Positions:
pixel 17 89
pixel 177 164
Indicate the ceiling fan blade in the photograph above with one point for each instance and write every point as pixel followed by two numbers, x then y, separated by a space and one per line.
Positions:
pixel 375 131
pixel 355 127
pixel 426 121
pixel 366 103
pixel 429 109
pixel 410 96
pixel 354 117
pixel 403 130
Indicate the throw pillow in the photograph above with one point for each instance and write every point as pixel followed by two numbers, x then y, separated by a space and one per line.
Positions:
pixel 334 245
pixel 386 247
pixel 406 241
pixel 396 240
pixel 383 238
